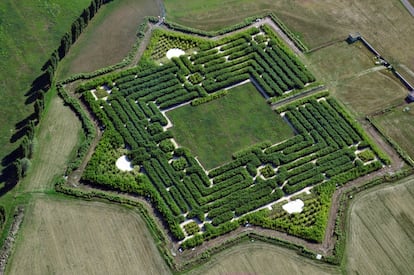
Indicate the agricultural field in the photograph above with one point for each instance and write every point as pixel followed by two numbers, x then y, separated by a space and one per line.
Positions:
pixel 230 119
pixel 314 21
pixel 351 74
pixel 26 43
pixel 380 238
pixel 61 236
pixel 398 124
pixel 100 42
pixel 262 258
pixel 328 147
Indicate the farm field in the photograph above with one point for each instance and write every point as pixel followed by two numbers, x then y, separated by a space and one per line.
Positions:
pixel 61 236
pixel 59 133
pixel 262 258
pixel 380 236
pixel 109 36
pixel 214 131
pixel 29 32
pixel 398 124
pixel 350 73
pixel 341 61
pixel 356 92
pixel 315 21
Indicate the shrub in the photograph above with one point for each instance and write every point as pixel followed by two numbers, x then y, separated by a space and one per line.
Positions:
pixel 195 78
pixel 267 171
pixel 191 228
pixel 166 145
pixel 366 155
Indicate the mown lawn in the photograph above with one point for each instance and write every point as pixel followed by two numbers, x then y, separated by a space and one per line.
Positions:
pixel 215 130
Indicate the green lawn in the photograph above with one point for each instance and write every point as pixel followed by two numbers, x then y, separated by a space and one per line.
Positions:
pixel 215 130
pixel 29 32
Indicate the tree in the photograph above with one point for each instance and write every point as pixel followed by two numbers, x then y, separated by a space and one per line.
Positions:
pixel 49 75
pixel 31 129
pixel 93 9
pixel 76 30
pixel 25 145
pixel 86 16
pixel 38 108
pixel 65 44
pixel 25 166
pixel 18 168
pixel 54 59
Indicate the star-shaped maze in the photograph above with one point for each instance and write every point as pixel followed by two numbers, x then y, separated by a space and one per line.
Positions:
pixel 328 149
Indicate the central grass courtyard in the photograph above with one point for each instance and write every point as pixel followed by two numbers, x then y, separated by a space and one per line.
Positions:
pixel 215 130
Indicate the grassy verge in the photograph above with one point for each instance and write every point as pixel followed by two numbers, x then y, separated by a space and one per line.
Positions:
pixel 215 130
pixel 59 133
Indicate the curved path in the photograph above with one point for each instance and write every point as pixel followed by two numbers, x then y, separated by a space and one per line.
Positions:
pixel 408 6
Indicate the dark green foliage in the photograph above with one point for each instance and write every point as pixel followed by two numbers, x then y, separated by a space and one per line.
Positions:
pixel 179 164
pixel 267 171
pixel 166 145
pixel 191 228
pixel 195 78
pixel 366 155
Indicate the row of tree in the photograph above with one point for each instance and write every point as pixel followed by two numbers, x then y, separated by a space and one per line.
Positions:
pixel 43 83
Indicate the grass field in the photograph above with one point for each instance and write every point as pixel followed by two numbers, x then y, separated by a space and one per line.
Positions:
pixel 29 32
pixel 316 21
pixel 381 236
pixel 58 135
pixel 371 92
pixel 351 75
pixel 215 130
pixel 109 36
pixel 340 61
pixel 262 258
pixel 399 125
pixel 74 237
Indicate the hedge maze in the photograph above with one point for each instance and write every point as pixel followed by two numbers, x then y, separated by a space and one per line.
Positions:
pixel 327 150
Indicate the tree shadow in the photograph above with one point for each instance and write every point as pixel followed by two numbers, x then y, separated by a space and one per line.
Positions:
pixel 12 156
pixel 8 179
pixel 42 82
pixel 18 134
pixel 22 128
pixel 24 122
